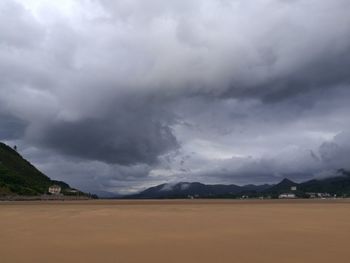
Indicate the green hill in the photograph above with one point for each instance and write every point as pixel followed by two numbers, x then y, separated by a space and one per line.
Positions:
pixel 19 177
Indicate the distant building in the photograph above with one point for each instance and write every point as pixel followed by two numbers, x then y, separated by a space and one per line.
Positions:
pixel 319 195
pixel 287 196
pixel 323 195
pixel 312 195
pixel 55 189
pixel 293 188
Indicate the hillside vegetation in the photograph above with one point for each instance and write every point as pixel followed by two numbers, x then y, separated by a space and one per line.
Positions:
pixel 20 177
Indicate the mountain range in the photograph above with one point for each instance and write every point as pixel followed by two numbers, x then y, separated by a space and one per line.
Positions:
pixel 20 177
pixel 337 185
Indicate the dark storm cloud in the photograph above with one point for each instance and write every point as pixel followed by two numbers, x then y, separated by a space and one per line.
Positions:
pixel 270 51
pixel 325 72
pixel 128 135
pixel 211 90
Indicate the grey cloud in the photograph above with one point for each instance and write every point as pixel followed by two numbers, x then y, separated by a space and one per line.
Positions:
pixel 125 142
pixel 296 163
pixel 90 176
pixel 336 153
pixel 11 128
pixel 18 28
pixel 131 132
pixel 226 51
pixel 133 83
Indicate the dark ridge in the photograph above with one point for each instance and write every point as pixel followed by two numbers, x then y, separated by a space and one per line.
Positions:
pixel 20 177
pixel 338 185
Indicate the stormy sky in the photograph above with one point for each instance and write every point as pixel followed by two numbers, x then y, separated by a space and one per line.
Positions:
pixel 119 95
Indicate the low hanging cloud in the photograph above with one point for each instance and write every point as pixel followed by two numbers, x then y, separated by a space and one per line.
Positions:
pixel 294 162
pixel 149 83
pixel 335 153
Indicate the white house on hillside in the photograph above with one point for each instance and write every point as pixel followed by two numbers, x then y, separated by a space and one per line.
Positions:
pixel 55 189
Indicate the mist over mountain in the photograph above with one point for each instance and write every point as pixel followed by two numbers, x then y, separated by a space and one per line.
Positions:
pixel 338 185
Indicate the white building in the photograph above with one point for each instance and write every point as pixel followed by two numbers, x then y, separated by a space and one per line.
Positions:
pixel 287 196
pixel 55 189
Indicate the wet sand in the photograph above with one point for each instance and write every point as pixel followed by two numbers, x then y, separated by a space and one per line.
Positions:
pixel 175 231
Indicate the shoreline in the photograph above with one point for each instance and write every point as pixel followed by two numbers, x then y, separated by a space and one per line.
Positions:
pixel 146 202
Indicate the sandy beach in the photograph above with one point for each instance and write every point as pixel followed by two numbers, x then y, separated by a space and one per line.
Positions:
pixel 175 231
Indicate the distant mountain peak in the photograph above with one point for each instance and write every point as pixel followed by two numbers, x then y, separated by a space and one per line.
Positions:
pixel 286 182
